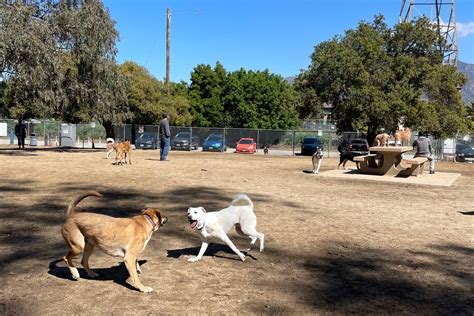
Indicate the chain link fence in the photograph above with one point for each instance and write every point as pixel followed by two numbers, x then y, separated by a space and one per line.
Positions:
pixel 52 133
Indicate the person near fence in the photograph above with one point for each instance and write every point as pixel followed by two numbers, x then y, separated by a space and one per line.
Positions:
pixel 424 149
pixel 165 137
pixel 20 132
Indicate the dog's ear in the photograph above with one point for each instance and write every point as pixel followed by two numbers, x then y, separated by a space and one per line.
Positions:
pixel 164 219
pixel 203 209
pixel 146 210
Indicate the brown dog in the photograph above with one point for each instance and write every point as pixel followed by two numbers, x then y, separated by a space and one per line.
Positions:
pixel 123 150
pixel 381 140
pixel 400 136
pixel 123 237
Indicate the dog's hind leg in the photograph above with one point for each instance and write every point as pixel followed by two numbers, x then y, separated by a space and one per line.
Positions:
pixel 73 252
pixel 250 230
pixel 89 247
pixel 253 239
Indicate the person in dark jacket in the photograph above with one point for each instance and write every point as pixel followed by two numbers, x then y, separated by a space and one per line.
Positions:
pixel 165 137
pixel 20 132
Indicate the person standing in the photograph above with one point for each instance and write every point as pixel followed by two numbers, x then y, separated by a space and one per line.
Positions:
pixel 424 149
pixel 165 137
pixel 20 132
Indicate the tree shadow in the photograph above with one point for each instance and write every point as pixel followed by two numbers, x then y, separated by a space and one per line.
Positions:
pixel 361 280
pixel 23 224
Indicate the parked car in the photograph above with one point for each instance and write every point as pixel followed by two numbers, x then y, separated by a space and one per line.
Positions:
pixel 184 141
pixel 464 152
pixel 246 145
pixel 310 144
pixel 214 142
pixel 147 140
pixel 358 147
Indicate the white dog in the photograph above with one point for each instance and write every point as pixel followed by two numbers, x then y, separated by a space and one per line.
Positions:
pixel 217 224
pixel 110 146
pixel 317 159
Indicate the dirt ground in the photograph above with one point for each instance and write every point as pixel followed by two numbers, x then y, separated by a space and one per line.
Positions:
pixel 333 246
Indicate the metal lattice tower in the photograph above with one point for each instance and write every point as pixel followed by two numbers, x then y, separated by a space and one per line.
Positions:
pixel 441 15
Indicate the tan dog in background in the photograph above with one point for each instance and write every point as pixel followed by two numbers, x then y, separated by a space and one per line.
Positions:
pixel 118 237
pixel 401 135
pixel 381 140
pixel 123 150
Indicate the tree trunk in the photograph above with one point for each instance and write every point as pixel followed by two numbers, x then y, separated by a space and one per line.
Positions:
pixel 109 130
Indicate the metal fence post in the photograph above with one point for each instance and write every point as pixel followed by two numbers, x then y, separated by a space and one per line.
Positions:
pixel 293 142
pixel 225 142
pixel 190 139
pixel 258 136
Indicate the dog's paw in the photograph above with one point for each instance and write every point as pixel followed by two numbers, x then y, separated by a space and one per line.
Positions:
pixel 193 259
pixel 93 275
pixel 242 257
pixel 146 289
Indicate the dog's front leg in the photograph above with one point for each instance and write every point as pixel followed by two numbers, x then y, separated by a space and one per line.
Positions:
pixel 229 243
pixel 138 267
pixel 130 263
pixel 201 252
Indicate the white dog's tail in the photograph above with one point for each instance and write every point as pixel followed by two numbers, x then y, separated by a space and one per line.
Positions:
pixel 110 140
pixel 242 197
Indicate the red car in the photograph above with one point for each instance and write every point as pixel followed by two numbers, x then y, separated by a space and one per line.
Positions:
pixel 246 145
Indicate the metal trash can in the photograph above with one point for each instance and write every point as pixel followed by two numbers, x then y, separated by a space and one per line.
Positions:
pixel 33 140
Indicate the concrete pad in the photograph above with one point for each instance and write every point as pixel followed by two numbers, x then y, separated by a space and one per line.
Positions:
pixel 444 179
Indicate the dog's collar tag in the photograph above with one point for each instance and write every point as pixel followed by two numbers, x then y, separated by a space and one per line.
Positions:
pixel 153 225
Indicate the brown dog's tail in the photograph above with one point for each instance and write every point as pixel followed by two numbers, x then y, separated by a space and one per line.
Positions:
pixel 79 198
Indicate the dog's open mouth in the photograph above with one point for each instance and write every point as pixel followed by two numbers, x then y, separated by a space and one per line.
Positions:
pixel 192 223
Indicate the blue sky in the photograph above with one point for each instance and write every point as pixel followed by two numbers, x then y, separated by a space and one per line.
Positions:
pixel 278 35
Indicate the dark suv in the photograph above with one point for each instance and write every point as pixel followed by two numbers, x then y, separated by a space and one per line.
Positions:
pixel 309 145
pixel 464 152
pixel 184 141
pixel 358 147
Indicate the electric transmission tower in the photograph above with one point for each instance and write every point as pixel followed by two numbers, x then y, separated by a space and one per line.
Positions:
pixel 441 15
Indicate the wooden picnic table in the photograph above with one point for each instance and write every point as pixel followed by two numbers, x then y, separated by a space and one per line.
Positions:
pixel 388 161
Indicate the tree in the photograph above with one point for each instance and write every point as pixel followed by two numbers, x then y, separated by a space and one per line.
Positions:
pixel 57 59
pixel 252 99
pixel 378 77
pixel 148 97
pixel 259 100
pixel 206 93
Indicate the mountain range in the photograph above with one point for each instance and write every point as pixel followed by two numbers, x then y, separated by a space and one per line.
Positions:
pixel 467 91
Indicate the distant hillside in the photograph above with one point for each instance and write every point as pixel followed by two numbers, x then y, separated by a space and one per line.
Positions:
pixel 468 90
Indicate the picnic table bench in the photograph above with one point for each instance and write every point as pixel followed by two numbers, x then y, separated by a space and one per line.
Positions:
pixel 388 161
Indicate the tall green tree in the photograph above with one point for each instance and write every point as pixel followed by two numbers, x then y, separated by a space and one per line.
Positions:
pixel 259 99
pixel 148 97
pixel 253 99
pixel 378 77
pixel 206 93
pixel 58 60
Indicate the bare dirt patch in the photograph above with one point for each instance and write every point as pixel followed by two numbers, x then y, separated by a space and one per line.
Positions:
pixel 332 246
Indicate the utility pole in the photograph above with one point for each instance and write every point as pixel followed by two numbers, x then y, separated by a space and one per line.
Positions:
pixel 168 18
pixel 442 18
